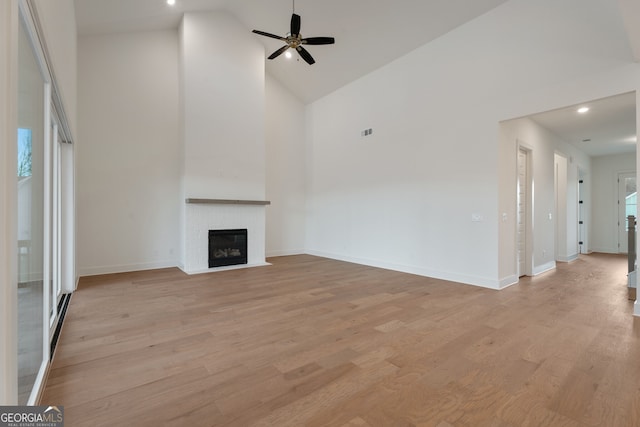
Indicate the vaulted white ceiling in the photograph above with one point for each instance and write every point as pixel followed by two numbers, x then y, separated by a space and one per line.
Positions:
pixel 369 34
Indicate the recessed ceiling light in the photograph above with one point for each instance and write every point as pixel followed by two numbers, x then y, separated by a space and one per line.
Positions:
pixel 171 2
pixel 583 110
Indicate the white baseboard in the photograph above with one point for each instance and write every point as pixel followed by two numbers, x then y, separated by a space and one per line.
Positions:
pixel 605 250
pixel 508 281
pixel 482 282
pixel 544 268
pixel 125 268
pixel 568 258
pixel 272 254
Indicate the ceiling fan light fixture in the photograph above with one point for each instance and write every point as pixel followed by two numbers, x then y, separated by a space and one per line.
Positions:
pixel 288 54
pixel 583 110
pixel 294 40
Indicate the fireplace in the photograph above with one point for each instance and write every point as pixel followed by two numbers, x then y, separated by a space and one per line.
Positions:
pixel 227 247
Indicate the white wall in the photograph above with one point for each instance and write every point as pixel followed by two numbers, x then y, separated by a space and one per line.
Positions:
pixel 223 98
pixel 404 197
pixel 604 227
pixel 129 155
pixel 285 164
pixel 223 125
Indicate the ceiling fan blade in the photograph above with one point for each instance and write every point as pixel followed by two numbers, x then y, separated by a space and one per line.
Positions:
pixel 279 52
pixel 273 36
pixel 318 40
pixel 305 55
pixel 295 24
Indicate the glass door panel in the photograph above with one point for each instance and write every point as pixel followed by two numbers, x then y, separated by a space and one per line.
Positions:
pixel 31 218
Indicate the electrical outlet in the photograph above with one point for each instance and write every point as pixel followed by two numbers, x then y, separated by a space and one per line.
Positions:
pixel 476 217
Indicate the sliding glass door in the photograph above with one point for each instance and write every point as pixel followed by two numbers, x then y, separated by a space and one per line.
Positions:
pixel 31 218
pixel 44 208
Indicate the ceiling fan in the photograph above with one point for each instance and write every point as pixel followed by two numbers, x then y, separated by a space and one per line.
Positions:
pixel 295 41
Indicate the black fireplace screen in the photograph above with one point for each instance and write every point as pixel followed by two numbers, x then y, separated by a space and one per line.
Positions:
pixel 227 247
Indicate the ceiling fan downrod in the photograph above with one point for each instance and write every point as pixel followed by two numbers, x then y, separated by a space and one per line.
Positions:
pixel 293 39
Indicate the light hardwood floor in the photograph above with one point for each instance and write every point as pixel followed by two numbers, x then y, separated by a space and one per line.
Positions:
pixel 316 342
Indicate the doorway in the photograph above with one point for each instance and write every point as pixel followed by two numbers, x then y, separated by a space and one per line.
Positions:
pixel 523 215
pixel 560 226
pixel 582 213
pixel 627 202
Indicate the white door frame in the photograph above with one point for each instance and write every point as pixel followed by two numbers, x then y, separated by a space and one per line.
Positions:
pixel 621 211
pixel 528 214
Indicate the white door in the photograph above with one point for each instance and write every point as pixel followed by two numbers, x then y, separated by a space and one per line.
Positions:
pixel 627 200
pixel 522 197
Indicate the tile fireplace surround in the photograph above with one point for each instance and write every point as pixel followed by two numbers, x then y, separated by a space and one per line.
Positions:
pixel 202 215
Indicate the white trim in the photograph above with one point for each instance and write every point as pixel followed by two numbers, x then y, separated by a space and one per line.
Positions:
pixel 537 270
pixel 483 282
pixel 508 281
pixel 621 207
pixel 26 15
pixel 125 268
pixel 530 211
pixel 47 243
pixel 569 258
pixel 636 308
pixel 605 250
pixel 271 254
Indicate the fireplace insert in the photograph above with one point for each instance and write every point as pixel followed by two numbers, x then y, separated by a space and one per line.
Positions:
pixel 227 247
